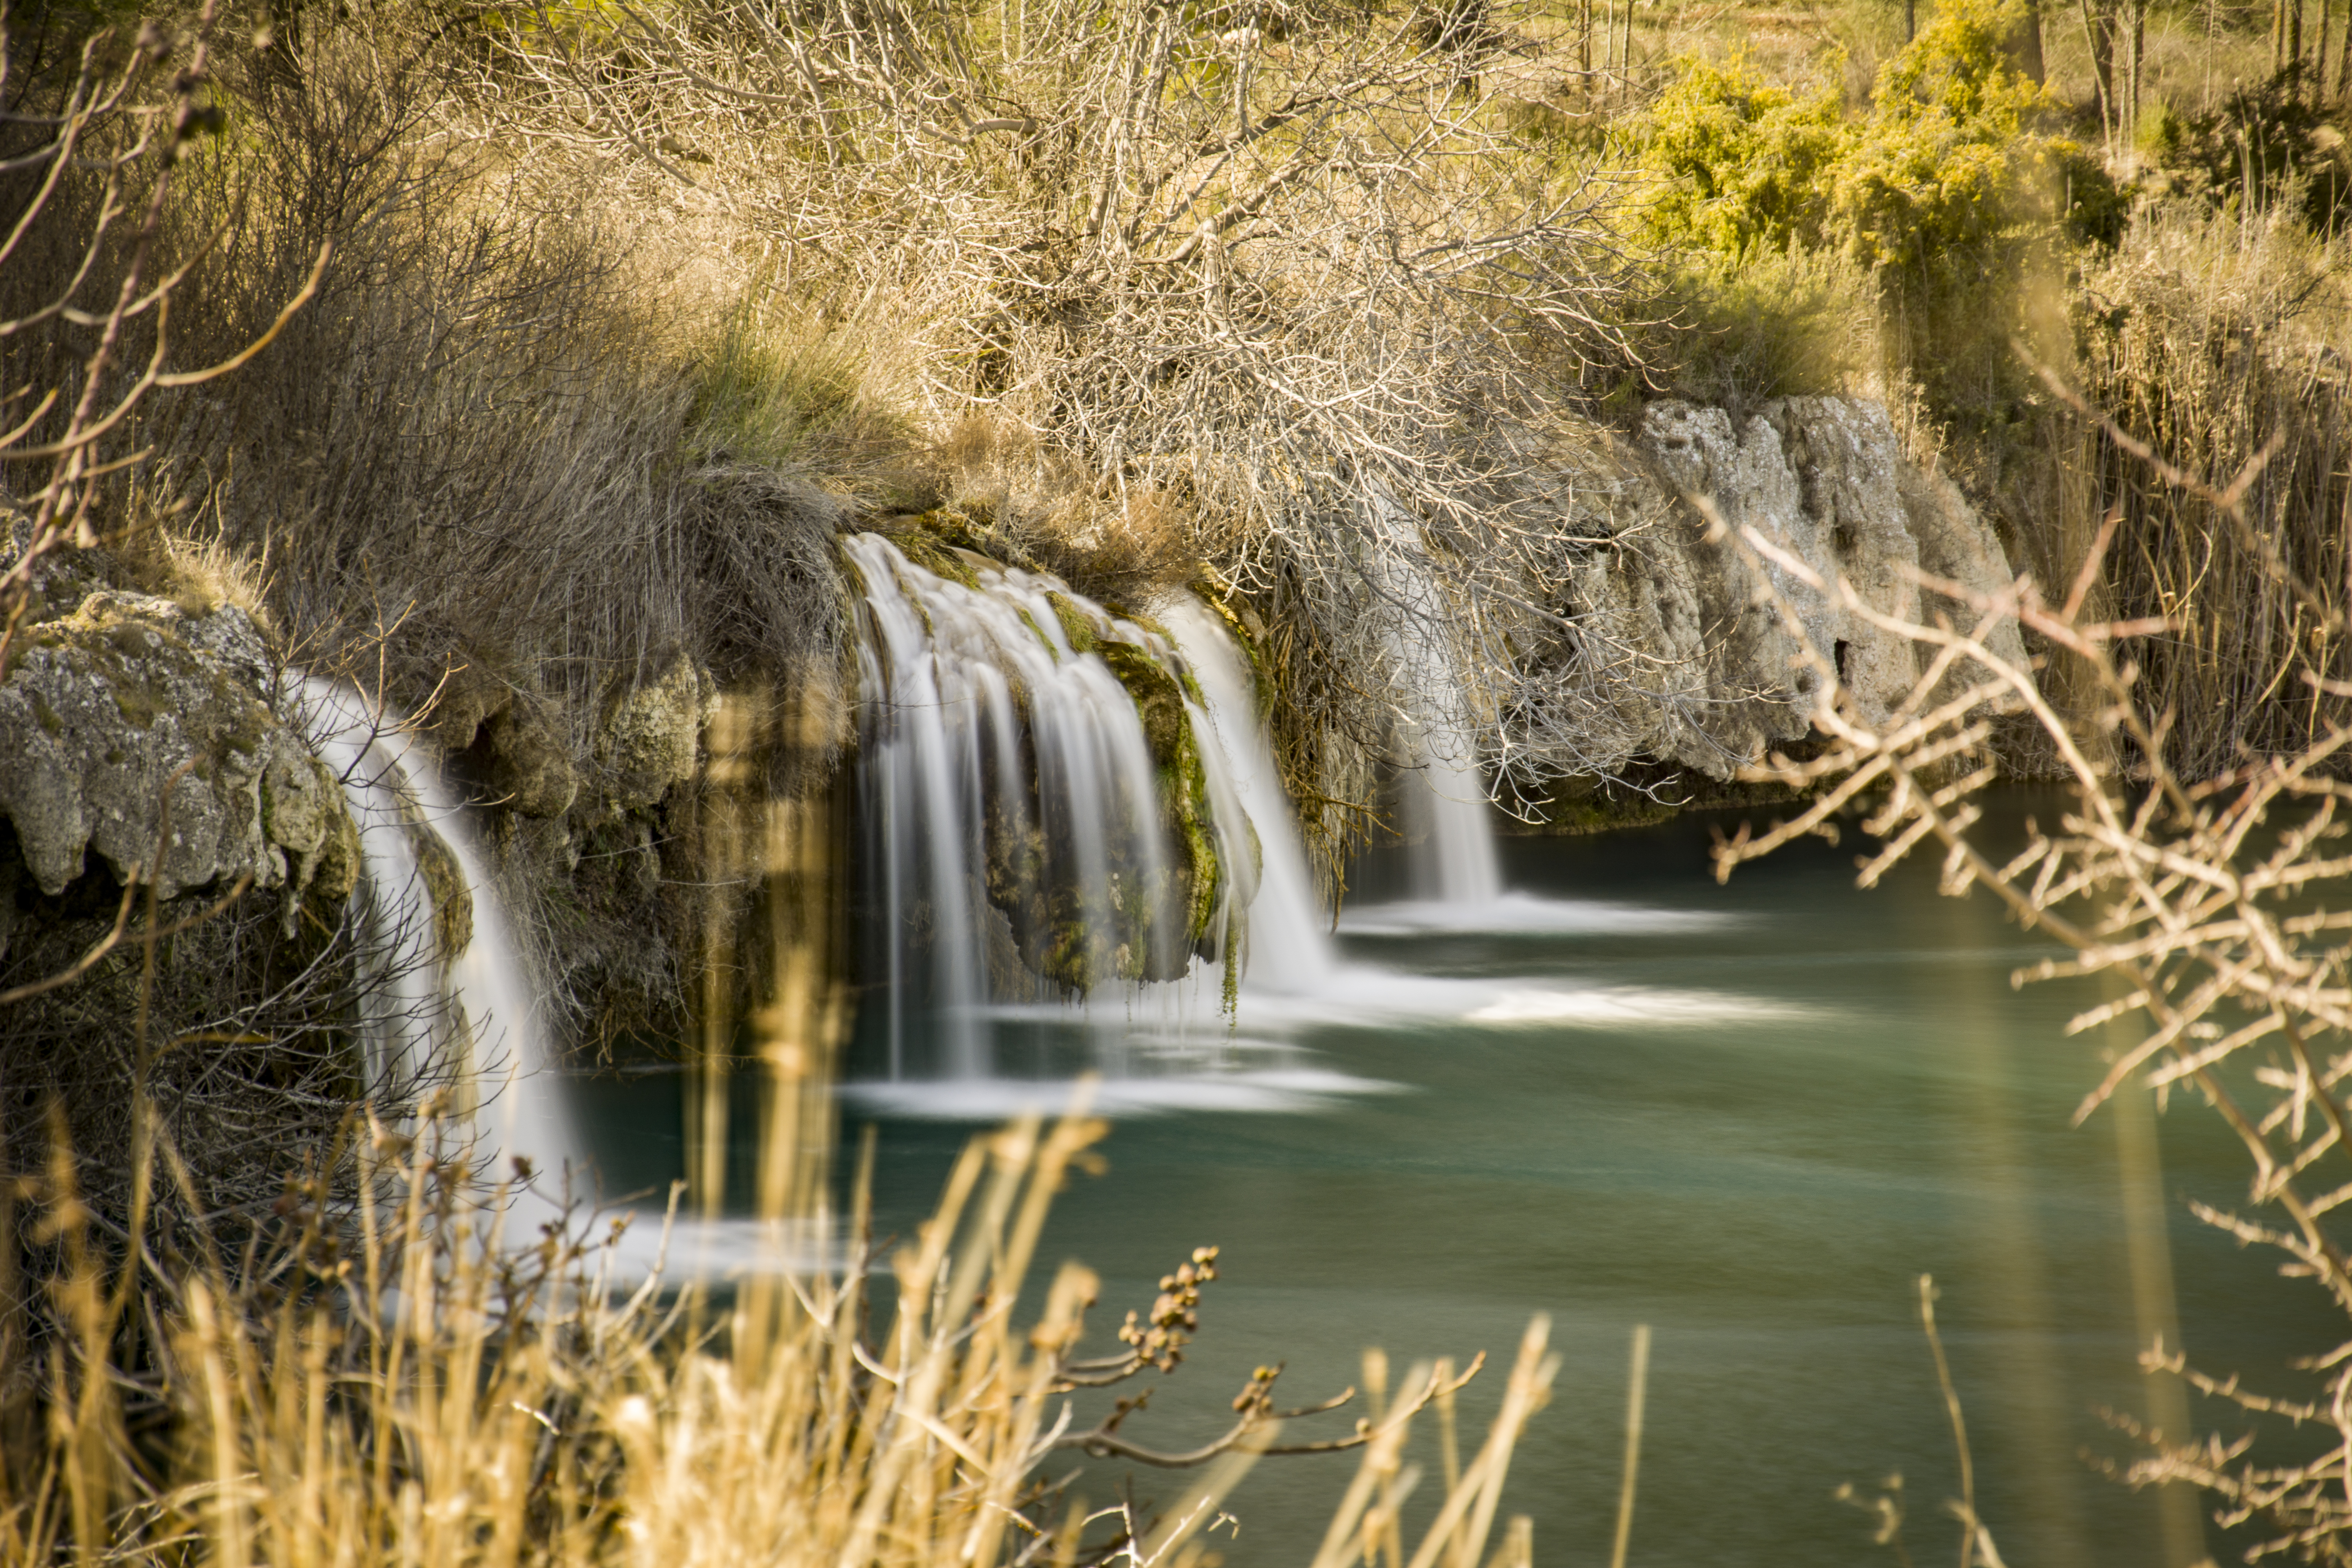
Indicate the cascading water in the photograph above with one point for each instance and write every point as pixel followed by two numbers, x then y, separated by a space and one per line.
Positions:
pixel 1451 826
pixel 1290 950
pixel 1046 815
pixel 452 999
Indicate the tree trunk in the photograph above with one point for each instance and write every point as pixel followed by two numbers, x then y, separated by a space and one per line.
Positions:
pixel 2344 60
pixel 2138 50
pixel 2099 32
pixel 2024 43
pixel 2319 56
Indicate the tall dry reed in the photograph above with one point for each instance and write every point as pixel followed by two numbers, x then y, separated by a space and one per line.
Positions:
pixel 2217 338
pixel 423 1380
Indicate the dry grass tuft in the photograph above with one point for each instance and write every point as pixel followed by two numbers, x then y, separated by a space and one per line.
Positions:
pixel 421 1381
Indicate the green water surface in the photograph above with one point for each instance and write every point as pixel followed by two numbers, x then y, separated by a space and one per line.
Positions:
pixel 1763 1190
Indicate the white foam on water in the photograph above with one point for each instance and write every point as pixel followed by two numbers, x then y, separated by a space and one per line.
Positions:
pixel 1272 1090
pixel 730 1247
pixel 1515 913
pixel 1634 1007
pixel 1375 998
pixel 1369 997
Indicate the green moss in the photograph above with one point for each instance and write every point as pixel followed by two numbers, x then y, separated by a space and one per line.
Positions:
pixel 1184 784
pixel 940 539
pixel 138 705
pixel 444 883
pixel 46 715
pixel 1077 624
pixel 926 551
pixel 1182 672
pixel 1236 933
pixel 1035 630
pixel 1218 596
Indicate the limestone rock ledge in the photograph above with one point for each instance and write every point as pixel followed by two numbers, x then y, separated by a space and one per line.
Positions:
pixel 107 707
pixel 1825 479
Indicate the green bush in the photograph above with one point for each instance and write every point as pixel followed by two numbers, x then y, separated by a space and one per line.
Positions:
pixel 1745 165
pixel 1949 161
pixel 1953 194
pixel 1953 156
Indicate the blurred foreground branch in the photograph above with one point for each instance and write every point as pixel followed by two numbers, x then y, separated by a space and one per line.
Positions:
pixel 2203 899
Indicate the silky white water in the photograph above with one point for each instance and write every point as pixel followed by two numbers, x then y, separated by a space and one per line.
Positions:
pixel 468 1016
pixel 1288 948
pixel 1017 851
pixel 1449 824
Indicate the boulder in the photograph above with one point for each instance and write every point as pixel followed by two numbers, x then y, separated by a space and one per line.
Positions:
pixel 1721 676
pixel 652 733
pixel 129 704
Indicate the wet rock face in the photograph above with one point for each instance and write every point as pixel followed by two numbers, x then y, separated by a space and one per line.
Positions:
pixel 107 708
pixel 1825 480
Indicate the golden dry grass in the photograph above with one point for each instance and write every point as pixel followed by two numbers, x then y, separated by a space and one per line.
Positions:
pixel 419 1382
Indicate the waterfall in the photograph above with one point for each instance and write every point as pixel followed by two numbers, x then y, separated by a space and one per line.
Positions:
pixel 1047 818
pixel 467 1013
pixel 1290 946
pixel 1450 822
pixel 1453 855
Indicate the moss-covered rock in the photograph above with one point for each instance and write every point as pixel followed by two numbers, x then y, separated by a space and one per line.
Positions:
pixel 1077 626
pixel 1160 702
pixel 132 726
pixel 652 734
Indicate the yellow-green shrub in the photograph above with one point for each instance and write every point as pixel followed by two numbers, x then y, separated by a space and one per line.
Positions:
pixel 1949 159
pixel 1952 156
pixel 1747 164
pixel 1948 192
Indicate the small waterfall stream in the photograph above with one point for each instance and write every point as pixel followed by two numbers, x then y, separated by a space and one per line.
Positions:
pixel 467 1013
pixel 1449 822
pixel 1290 945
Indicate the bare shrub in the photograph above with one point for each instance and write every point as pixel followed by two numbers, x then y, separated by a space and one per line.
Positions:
pixel 235 1013
pixel 502 473
pixel 94 130
pixel 1280 271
